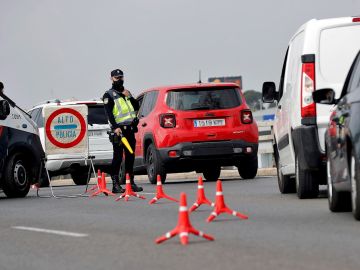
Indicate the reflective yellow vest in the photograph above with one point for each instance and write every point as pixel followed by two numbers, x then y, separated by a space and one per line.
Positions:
pixel 123 110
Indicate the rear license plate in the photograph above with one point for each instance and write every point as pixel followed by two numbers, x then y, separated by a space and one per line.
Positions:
pixel 95 133
pixel 209 123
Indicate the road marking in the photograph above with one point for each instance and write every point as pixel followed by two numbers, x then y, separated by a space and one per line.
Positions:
pixel 64 233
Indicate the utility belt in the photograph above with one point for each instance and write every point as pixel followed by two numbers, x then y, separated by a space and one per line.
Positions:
pixel 126 128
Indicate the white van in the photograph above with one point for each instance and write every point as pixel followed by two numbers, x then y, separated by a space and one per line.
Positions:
pixel 319 55
pixel 99 145
pixel 21 154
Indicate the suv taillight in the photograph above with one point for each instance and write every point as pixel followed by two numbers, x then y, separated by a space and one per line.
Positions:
pixel 308 107
pixel 246 117
pixel 167 120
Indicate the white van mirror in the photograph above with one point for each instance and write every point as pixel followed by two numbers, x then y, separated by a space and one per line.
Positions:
pixel 269 94
pixel 324 96
pixel 4 109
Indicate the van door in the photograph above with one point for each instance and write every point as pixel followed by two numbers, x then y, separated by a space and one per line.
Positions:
pixel 288 107
pixel 4 140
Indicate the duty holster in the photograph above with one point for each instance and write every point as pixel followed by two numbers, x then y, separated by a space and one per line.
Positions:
pixel 114 138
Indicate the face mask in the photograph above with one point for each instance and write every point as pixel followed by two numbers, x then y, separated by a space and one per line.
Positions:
pixel 118 85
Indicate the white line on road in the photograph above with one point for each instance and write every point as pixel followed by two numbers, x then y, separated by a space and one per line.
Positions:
pixel 64 233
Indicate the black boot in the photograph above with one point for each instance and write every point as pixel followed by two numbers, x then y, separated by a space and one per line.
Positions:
pixel 134 187
pixel 116 185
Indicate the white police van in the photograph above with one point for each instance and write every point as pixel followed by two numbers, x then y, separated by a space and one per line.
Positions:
pixel 21 154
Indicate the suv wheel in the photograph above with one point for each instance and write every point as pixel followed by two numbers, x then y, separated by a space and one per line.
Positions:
pixel 16 181
pixel 355 187
pixel 248 167
pixel 153 165
pixel 212 174
pixel 306 184
pixel 338 201
pixel 80 176
pixel 286 184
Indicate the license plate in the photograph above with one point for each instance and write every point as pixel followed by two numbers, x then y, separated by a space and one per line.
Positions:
pixel 209 123
pixel 95 133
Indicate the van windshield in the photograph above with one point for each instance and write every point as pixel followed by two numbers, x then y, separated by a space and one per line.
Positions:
pixel 203 99
pixel 97 115
pixel 338 48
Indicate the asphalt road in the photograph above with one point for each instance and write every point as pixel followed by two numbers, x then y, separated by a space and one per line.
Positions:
pixel 99 233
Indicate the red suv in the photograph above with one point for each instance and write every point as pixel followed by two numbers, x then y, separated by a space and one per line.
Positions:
pixel 196 127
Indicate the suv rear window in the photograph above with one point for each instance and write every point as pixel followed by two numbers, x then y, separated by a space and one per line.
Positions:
pixel 203 99
pixel 97 115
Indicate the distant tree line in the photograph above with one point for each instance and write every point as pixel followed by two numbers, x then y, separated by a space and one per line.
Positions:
pixel 254 100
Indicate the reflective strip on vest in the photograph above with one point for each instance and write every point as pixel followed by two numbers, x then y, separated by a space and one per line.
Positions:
pixel 123 111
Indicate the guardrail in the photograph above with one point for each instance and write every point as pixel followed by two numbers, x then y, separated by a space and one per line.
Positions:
pixel 266 150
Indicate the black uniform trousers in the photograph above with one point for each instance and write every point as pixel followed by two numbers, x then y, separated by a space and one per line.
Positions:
pixel 118 155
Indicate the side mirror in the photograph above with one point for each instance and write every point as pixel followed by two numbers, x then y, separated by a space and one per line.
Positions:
pixel 269 94
pixel 4 109
pixel 324 96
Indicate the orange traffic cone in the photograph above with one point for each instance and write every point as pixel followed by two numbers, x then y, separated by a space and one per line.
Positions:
pixel 220 206
pixel 97 186
pixel 201 198
pixel 160 192
pixel 128 191
pixel 102 187
pixel 184 226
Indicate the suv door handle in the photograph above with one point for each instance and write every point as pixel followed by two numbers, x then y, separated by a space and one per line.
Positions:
pixel 143 124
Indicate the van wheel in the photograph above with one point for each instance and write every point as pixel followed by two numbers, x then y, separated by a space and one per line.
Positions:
pixel 212 174
pixel 286 184
pixel 248 167
pixel 80 176
pixel 154 166
pixel 306 183
pixel 355 187
pixel 338 201
pixel 16 181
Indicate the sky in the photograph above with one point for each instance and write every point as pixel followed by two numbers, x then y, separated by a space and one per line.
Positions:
pixel 66 48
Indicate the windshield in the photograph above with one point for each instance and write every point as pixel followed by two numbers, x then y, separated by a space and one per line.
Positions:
pixel 203 99
pixel 97 115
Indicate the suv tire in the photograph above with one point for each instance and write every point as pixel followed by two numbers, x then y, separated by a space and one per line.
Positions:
pixel 212 174
pixel 154 166
pixel 248 167
pixel 306 183
pixel 286 184
pixel 355 187
pixel 338 201
pixel 122 173
pixel 80 176
pixel 16 181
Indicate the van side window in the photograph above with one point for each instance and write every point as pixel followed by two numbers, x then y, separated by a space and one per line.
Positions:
pixel 40 119
pixel 281 84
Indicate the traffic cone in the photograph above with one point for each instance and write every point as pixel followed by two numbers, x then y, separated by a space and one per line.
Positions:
pixel 97 186
pixel 160 192
pixel 220 206
pixel 128 191
pixel 184 226
pixel 102 187
pixel 201 198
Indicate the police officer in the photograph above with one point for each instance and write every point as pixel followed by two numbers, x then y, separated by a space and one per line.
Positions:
pixel 121 109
